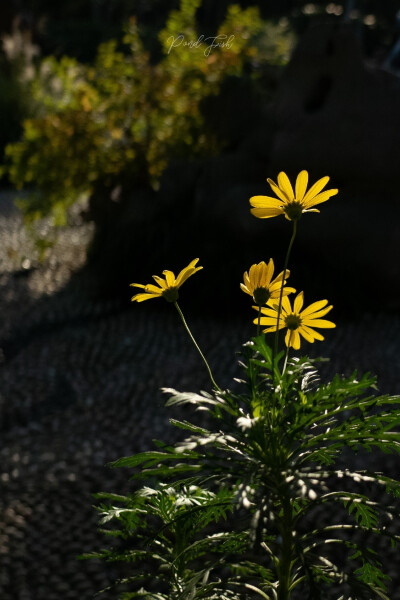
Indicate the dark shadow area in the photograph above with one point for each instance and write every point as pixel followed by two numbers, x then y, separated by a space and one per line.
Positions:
pixel 332 116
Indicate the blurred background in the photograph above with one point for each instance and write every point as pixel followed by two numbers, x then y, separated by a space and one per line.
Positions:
pixel 132 135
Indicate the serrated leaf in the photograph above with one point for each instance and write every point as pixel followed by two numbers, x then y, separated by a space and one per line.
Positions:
pixel 150 458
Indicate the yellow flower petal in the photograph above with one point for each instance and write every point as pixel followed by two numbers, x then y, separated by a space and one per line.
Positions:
pixel 275 287
pixel 292 339
pixel 266 213
pixel 271 321
pixel 314 307
pixel 298 303
pixel 317 315
pixel 193 263
pixel 143 297
pixel 285 186
pixel 246 280
pixel 269 271
pixel 323 197
pixel 286 305
pixel 288 290
pixel 265 202
pixel 306 333
pixel 280 276
pixel 269 312
pixel 319 323
pixel 315 189
pixel 301 185
pixel 169 278
pixel 139 285
pixel 245 289
pixel 296 340
pixel 272 325
pixel 276 291
pixel 264 279
pixel 153 289
pixel 315 335
pixel 253 276
pixel 185 274
pixel 269 329
pixel 275 188
pixel 161 282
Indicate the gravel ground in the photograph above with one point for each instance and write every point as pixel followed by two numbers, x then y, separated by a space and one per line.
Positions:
pixel 80 383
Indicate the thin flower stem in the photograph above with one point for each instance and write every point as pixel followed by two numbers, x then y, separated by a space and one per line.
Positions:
pixel 196 345
pixel 275 352
pixel 287 353
pixel 259 320
pixel 286 559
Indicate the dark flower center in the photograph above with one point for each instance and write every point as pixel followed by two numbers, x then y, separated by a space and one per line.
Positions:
pixel 293 210
pixel 261 296
pixel 171 294
pixel 292 322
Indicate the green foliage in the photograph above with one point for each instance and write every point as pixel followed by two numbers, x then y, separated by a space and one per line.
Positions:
pixel 16 65
pixel 255 503
pixel 165 522
pixel 123 119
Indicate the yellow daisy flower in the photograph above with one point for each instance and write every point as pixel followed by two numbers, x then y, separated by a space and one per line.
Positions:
pixel 259 284
pixel 167 287
pixel 298 322
pixel 291 203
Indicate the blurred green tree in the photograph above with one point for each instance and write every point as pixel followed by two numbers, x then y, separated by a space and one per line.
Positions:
pixel 120 121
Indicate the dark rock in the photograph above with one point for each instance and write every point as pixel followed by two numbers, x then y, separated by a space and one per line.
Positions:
pixel 336 115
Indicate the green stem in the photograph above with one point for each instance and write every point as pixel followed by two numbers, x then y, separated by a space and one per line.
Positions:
pixel 195 343
pixel 285 563
pixel 275 352
pixel 259 320
pixel 287 353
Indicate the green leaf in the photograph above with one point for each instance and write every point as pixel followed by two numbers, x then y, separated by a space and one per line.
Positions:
pixel 150 458
pixel 365 513
pixel 372 575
